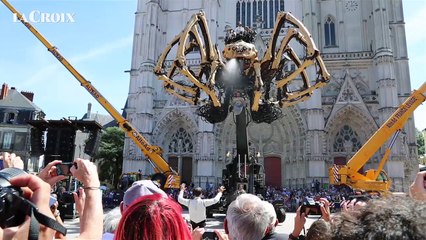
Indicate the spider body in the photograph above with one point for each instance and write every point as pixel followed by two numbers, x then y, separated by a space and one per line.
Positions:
pixel 240 50
pixel 240 77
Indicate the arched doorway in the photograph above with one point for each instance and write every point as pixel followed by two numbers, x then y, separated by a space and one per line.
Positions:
pixel 180 154
pixel 272 171
pixel 340 160
pixel 186 173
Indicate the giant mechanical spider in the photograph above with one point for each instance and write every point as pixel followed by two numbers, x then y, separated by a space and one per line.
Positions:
pixel 239 79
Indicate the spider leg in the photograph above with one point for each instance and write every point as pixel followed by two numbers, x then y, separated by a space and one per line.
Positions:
pixel 196 29
pixel 258 86
pixel 300 70
pixel 170 85
pixel 208 54
pixel 180 96
pixel 273 60
pixel 216 64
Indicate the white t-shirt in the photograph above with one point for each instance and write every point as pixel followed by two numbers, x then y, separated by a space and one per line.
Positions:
pixel 197 206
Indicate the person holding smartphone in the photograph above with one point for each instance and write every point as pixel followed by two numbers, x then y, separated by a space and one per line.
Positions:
pixel 91 211
pixel 49 173
pixel 418 187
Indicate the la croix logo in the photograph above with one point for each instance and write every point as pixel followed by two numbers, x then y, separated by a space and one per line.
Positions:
pixel 37 16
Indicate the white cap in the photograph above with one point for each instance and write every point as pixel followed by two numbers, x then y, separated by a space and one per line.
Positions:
pixel 139 189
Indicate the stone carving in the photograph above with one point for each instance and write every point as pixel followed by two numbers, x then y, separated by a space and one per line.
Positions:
pixel 348 96
pixel 181 142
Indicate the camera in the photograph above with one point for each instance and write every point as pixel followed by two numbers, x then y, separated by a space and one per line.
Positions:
pixel 311 207
pixel 64 169
pixel 209 235
pixel 67 197
pixel 279 210
pixel 13 206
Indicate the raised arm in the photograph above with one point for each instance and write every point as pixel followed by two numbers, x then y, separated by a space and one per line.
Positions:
pixel 181 199
pixel 86 172
pixel 209 202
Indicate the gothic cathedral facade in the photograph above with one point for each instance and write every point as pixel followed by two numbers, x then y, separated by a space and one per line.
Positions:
pixel 363 45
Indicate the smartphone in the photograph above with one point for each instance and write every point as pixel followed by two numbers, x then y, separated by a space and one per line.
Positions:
pixel 209 235
pixel 52 201
pixel 64 169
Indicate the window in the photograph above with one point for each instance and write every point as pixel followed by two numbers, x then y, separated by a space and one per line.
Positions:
pixel 265 13
pixel 19 143
pixel 238 12
pixel 181 142
pixel 254 12
pixel 277 9
pixel 243 16
pixel 329 32
pixel 271 14
pixel 7 140
pixel 248 10
pixel 10 117
pixel 259 9
pixel 346 140
pixel 249 14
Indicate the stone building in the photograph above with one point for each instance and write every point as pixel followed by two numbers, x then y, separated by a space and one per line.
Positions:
pixel 16 109
pixel 363 45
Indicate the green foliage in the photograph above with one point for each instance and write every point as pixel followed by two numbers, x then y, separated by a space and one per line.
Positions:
pixel 110 155
pixel 420 142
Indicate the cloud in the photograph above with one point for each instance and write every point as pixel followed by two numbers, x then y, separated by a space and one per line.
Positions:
pixel 104 49
pixel 50 71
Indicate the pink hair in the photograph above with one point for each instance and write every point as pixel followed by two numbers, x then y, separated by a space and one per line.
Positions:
pixel 153 217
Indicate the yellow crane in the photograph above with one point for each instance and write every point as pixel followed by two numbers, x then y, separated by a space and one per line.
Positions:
pixel 376 179
pixel 164 173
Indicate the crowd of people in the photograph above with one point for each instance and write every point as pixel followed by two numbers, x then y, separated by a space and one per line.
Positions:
pixel 147 212
pixel 292 198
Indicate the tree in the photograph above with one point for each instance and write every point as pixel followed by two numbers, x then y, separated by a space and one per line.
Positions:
pixel 420 143
pixel 110 155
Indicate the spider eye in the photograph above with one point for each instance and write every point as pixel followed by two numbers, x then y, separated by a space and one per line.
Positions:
pixel 234 48
pixel 244 48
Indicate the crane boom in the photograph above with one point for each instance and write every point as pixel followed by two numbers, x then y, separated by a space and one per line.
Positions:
pixel 152 152
pixel 395 122
pixel 377 179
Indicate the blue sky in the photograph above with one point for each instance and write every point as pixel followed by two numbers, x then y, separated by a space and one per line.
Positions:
pixel 99 44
